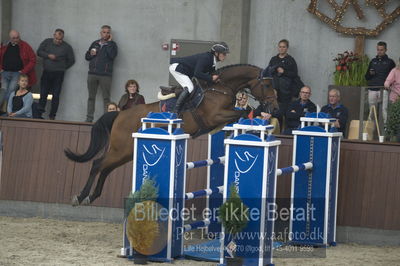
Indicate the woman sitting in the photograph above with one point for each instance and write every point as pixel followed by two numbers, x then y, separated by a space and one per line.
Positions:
pixel 131 97
pixel 242 103
pixel 112 107
pixel 20 101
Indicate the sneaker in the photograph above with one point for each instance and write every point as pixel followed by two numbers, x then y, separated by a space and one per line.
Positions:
pixel 52 117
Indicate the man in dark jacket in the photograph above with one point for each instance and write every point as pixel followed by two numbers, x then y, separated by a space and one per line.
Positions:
pixel 101 55
pixel 200 66
pixel 298 109
pixel 378 70
pixel 283 69
pixel 57 56
pixel 336 110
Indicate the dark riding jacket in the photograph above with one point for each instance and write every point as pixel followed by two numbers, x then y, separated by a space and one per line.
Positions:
pixel 199 65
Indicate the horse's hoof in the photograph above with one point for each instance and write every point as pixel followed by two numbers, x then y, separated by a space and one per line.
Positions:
pixel 75 201
pixel 86 201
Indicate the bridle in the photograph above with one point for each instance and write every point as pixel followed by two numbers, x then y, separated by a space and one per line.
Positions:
pixel 264 87
pixel 232 94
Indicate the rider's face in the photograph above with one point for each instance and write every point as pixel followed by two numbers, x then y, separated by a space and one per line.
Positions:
pixel 221 57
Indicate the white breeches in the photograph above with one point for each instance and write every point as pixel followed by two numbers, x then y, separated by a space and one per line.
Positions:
pixel 182 79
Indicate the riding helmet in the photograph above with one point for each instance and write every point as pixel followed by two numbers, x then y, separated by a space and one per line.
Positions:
pixel 220 47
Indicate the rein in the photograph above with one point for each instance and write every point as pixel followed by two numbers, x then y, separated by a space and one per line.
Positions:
pixel 264 87
pixel 233 91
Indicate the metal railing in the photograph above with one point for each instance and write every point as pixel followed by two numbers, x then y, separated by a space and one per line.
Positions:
pixel 362 109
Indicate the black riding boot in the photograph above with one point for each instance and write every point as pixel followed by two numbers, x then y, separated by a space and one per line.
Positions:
pixel 182 97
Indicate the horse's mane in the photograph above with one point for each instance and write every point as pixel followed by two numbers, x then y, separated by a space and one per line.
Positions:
pixel 224 68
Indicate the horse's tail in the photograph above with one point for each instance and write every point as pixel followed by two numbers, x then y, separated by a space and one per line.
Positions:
pixel 98 138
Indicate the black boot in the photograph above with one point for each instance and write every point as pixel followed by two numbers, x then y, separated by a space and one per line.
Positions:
pixel 182 97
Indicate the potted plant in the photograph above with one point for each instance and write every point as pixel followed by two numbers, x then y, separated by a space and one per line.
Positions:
pixel 348 78
pixel 392 126
pixel 350 69
pixel 142 226
pixel 233 215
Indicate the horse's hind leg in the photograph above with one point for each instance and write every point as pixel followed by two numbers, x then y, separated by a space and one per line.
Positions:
pixel 77 199
pixel 111 161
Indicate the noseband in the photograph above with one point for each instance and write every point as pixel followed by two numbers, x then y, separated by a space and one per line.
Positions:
pixel 264 87
pixel 260 82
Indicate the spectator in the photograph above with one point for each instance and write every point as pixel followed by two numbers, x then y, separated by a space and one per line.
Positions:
pixel 392 83
pixel 57 56
pixel 16 57
pixel 336 110
pixel 112 107
pixel 101 55
pixel 378 70
pixel 132 96
pixel 20 101
pixel 242 101
pixel 269 110
pixel 298 109
pixel 283 70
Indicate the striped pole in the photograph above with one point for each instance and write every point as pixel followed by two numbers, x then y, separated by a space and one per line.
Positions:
pixel 192 226
pixel 204 192
pixel 207 162
pixel 294 168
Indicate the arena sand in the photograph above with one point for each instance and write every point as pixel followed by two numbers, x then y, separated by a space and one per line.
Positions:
pixel 35 241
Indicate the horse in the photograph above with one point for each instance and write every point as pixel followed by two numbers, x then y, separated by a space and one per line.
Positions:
pixel 111 133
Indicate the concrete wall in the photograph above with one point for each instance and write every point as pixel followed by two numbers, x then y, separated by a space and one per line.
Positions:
pixel 5 18
pixel 139 28
pixel 312 43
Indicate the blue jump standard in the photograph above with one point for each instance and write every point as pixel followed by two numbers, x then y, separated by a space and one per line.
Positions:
pixel 251 165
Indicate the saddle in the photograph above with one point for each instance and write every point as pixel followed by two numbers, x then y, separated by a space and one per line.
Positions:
pixel 169 95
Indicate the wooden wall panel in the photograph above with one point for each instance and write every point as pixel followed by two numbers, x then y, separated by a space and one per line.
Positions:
pixel 34 168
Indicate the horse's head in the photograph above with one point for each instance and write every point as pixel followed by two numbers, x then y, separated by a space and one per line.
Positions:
pixel 244 76
pixel 262 90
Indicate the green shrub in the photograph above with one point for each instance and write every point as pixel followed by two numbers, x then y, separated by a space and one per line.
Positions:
pixel 392 126
pixel 233 214
pixel 148 191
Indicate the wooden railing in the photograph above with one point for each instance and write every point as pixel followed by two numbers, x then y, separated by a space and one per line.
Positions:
pixel 34 168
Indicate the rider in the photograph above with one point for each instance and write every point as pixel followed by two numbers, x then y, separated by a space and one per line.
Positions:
pixel 199 66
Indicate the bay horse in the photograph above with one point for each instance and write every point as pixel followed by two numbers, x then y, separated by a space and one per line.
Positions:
pixel 112 133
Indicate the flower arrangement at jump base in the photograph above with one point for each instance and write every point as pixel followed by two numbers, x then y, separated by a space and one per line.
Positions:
pixel 350 69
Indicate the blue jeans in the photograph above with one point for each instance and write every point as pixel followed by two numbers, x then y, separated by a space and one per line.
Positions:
pixel 9 82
